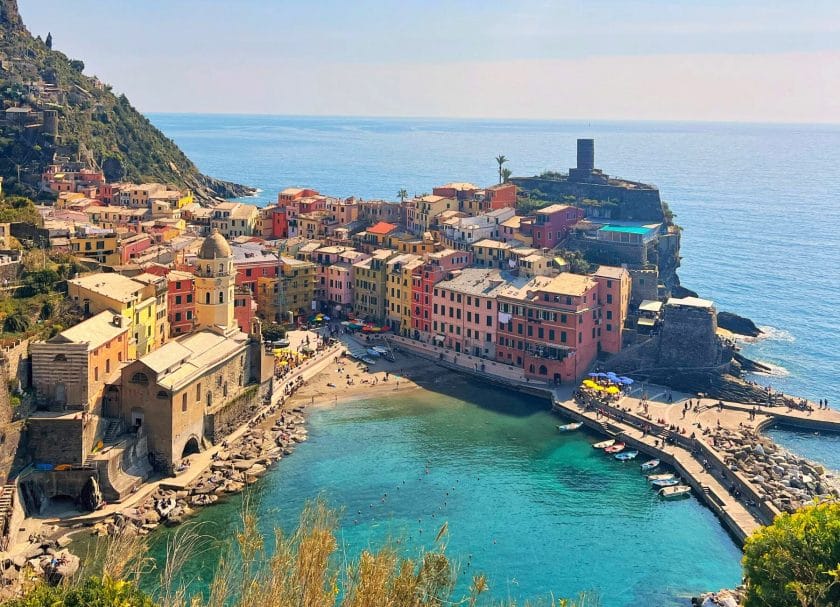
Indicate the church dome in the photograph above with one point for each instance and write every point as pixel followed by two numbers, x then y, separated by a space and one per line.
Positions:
pixel 214 247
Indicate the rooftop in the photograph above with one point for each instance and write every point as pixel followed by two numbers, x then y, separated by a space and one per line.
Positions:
pixel 627 229
pixel 692 302
pixel 611 272
pixel 475 281
pixel 382 228
pixel 553 208
pixel 94 331
pixel 489 243
pixel 114 286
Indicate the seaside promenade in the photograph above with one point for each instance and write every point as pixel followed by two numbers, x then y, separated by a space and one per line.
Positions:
pixel 662 424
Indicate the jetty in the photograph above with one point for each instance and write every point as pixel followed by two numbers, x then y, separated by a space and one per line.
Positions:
pixel 662 424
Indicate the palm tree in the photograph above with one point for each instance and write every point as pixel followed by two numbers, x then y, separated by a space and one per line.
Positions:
pixel 402 194
pixel 501 159
pixel 506 173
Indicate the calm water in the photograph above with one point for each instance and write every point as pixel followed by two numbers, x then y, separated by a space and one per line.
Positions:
pixel 760 211
pixel 759 203
pixel 534 510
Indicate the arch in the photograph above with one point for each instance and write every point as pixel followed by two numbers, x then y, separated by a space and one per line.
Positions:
pixel 221 297
pixel 138 416
pixel 530 368
pixel 140 378
pixel 162 395
pixel 543 370
pixel 207 298
pixel 60 358
pixel 221 268
pixel 60 394
pixel 191 446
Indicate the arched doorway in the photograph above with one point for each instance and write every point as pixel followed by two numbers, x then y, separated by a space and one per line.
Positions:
pixel 191 447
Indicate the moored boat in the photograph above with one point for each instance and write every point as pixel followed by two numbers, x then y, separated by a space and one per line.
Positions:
pixel 677 491
pixel 569 427
pixel 604 444
pixel 626 455
pixel 666 482
pixel 659 477
pixel 616 448
pixel 650 465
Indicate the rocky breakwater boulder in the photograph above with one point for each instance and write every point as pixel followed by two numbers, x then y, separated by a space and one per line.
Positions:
pixel 780 477
pixel 49 559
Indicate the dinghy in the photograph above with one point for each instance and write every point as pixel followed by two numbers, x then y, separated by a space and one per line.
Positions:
pixel 569 427
pixel 666 482
pixel 616 448
pixel 604 444
pixel 675 492
pixel 626 455
pixel 650 465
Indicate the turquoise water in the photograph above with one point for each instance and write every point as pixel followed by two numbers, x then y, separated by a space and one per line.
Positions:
pixel 535 510
pixel 758 202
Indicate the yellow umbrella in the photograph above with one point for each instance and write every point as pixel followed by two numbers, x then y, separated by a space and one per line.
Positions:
pixel 589 383
pixel 612 390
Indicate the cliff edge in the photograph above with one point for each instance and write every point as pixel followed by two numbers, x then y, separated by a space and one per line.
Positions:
pixel 51 109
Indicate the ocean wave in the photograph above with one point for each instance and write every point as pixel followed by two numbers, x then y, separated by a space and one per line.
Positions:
pixel 770 334
pixel 774 370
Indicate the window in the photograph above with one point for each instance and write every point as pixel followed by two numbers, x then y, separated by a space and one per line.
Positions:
pixel 551 335
pixel 140 378
pixel 207 298
pixel 177 300
pixel 189 298
pixel 198 392
pixel 222 297
pixel 609 327
pixel 609 298
pixel 60 358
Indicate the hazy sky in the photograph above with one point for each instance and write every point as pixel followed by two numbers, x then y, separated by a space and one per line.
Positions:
pixel 760 61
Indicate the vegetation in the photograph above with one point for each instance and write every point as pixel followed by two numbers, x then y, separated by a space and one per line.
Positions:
pixel 402 194
pixel 19 208
pixel 273 332
pixel 303 569
pixel 795 562
pixel 577 262
pixel 501 159
pixel 94 124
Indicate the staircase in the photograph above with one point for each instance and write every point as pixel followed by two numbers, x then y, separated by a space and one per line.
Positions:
pixel 113 430
pixel 6 503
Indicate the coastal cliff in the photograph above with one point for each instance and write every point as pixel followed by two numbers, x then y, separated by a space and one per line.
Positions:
pixel 52 109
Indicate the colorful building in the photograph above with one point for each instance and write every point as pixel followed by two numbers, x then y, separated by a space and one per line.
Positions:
pixel 399 270
pixel 181 302
pixel 370 286
pixel 614 286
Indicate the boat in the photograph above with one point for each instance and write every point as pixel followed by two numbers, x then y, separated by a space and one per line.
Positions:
pixel 659 477
pixel 626 455
pixel 666 482
pixel 616 448
pixel 368 360
pixel 650 465
pixel 604 444
pixel 569 427
pixel 675 492
pixel 373 353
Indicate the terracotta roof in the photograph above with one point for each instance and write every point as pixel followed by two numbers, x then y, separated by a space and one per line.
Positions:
pixel 382 228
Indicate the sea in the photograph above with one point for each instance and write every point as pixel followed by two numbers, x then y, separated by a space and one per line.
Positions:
pixel 539 512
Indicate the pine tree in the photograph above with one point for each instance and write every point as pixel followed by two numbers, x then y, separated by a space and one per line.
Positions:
pixel 49 40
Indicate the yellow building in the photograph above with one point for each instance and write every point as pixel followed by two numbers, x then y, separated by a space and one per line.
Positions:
pixel 100 247
pixel 292 292
pixel 398 274
pixel 489 253
pixel 420 212
pixel 215 280
pixel 371 284
pixel 136 301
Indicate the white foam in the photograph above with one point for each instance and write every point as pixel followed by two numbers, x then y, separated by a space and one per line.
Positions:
pixel 768 333
pixel 775 370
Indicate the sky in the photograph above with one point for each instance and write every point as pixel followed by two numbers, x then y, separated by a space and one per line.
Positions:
pixel 742 61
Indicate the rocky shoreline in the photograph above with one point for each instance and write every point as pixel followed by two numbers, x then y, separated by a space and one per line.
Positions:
pixel 239 464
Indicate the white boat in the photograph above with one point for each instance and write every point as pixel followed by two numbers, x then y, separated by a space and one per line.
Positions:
pixel 666 482
pixel 626 455
pixel 650 465
pixel 677 491
pixel 368 360
pixel 604 444
pixel 569 427
pixel 381 350
pixel 372 352
pixel 660 477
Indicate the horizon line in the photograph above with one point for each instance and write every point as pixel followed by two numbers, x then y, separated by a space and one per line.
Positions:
pixel 499 119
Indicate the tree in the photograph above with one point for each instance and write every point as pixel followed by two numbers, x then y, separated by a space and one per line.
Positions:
pixel 16 323
pixel 795 562
pixel 78 65
pixel 506 173
pixel 501 159
pixel 273 332
pixel 402 194
pixel 49 40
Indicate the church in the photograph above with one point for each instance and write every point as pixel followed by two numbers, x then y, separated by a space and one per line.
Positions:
pixel 194 390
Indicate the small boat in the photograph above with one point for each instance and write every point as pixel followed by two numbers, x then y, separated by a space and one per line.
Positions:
pixel 616 448
pixel 666 482
pixel 604 444
pixel 626 455
pixel 650 465
pixel 677 491
pixel 659 477
pixel 380 350
pixel 368 360
pixel 373 353
pixel 569 427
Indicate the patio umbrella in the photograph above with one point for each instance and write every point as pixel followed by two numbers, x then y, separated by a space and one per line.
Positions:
pixel 592 374
pixel 626 380
pixel 612 390
pixel 327 318
pixel 601 375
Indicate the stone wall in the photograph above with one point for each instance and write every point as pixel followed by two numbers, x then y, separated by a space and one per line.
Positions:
pixel 645 285
pixel 688 338
pixel 15 358
pixel 611 253
pixel 12 436
pixel 37 488
pixel 62 440
pixel 220 423
pixel 633 204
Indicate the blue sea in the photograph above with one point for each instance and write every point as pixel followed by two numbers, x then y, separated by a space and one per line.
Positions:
pixel 759 208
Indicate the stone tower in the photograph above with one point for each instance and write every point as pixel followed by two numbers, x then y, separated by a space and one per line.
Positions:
pixel 214 284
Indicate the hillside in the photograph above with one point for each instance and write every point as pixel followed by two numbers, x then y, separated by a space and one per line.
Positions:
pixel 61 112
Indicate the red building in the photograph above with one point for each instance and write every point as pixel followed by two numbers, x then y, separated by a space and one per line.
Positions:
pixel 180 302
pixel 551 224
pixel 273 223
pixel 244 308
pixel 549 326
pixel 251 263
pixel 437 267
pixel 132 246
pixel 501 196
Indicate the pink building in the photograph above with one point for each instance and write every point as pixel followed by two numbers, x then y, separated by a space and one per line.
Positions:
pixel 244 308
pixel 437 267
pixel 251 263
pixel 614 285
pixel 464 311
pixel 551 224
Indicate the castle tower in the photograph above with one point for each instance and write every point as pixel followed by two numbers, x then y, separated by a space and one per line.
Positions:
pixel 214 283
